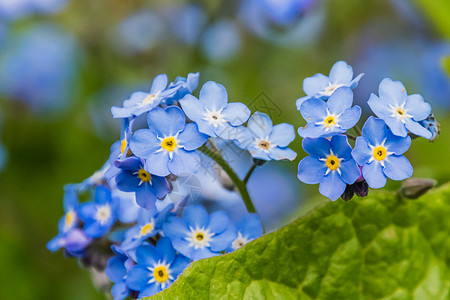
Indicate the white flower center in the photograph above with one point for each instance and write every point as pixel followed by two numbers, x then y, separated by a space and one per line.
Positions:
pixel 199 237
pixel 214 118
pixel 329 90
pixel 240 241
pixel 399 112
pixel 264 144
pixel 103 213
pixel 149 99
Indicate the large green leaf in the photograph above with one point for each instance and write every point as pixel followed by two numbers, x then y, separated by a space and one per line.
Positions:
pixel 380 247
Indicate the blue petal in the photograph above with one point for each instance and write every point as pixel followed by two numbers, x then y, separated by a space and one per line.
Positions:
pixel 164 246
pixel 115 269
pixel 196 216
pixel 375 131
pixel 397 167
pixel 393 90
pixel 362 152
pixel 258 153
pixel 373 173
pixel 184 163
pixel 94 229
pixel 260 125
pixel 180 263
pixel 313 110
pixel 218 222
pixel 193 108
pixel 355 81
pixel 279 153
pixel 396 126
pixel 87 211
pixel 341 73
pixel 319 147
pixel 183 246
pixel 145 196
pixel 397 144
pixel 102 195
pixel 159 83
pixel 311 170
pixel 192 81
pixel 138 278
pixel 417 107
pixel 315 84
pixel 75 240
pixel 350 171
pixel 147 255
pixel 350 117
pixel 129 164
pixel 166 122
pixel 340 100
pixel 127 182
pixel 190 138
pixel 70 201
pixel 250 226
pixel 120 290
pixel 223 241
pixel 214 96
pixel 315 131
pixel 380 106
pixel 282 134
pixel 236 113
pixel 150 290
pixel 175 228
pixel 417 129
pixel 332 186
pixel 157 163
pixel 144 142
pixel 203 253
pixel 341 147
pixel 300 101
pixel 56 243
pixel 161 186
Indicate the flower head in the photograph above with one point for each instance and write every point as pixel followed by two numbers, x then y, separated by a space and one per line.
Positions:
pixel 212 112
pixel 197 235
pixel 121 148
pixel 379 152
pixel 330 163
pixel 265 141
pixel 157 268
pixel 182 86
pixel 168 145
pixel 248 229
pixel 117 270
pixel 400 111
pixel 325 119
pixel 73 241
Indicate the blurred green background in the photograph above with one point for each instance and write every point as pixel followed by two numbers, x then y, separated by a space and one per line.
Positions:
pixel 48 146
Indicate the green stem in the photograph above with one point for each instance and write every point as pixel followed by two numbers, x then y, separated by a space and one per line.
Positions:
pixel 357 130
pixel 249 173
pixel 240 185
pixel 352 137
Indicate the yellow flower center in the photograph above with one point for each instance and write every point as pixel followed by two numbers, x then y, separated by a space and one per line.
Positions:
pixel 160 274
pixel 329 121
pixel 144 175
pixel 379 153
pixel 149 99
pixel 264 145
pixel 401 112
pixel 169 144
pixel 199 236
pixel 332 162
pixel 146 229
pixel 123 145
pixel 69 219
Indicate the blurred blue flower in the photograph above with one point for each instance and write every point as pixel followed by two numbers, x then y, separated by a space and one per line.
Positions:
pixel 73 241
pixel 14 9
pixel 183 86
pixel 265 141
pixel 100 215
pixel 134 178
pixel 330 163
pixel 168 145
pixel 329 118
pixel 157 268
pixel 248 229
pixel 212 112
pixel 198 235
pixel 379 152
pixel 39 68
pixel 187 22
pixel 221 41
pixel 141 102
pixel 70 204
pixel 400 111
pixel 116 270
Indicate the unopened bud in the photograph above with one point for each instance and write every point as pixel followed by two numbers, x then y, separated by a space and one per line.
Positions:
pixel 415 187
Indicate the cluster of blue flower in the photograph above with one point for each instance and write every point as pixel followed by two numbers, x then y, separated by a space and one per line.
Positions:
pixel 152 238
pixel 379 148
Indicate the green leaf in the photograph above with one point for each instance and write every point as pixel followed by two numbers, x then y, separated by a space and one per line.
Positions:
pixel 379 247
pixel 437 12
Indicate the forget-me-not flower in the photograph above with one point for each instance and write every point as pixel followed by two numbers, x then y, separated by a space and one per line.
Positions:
pixel 198 235
pixel 182 86
pixel 265 141
pixel 133 177
pixel 325 119
pixel 248 229
pixel 322 87
pixel 141 102
pixel 73 241
pixel 379 152
pixel 157 268
pixel 330 163
pixel 212 112
pixel 120 149
pixel 400 111
pixel 169 145
pixel 117 270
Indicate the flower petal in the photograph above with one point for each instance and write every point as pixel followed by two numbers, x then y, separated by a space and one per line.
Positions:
pixel 315 84
pixel 236 113
pixel 341 73
pixel 159 83
pixel 350 171
pixel 282 134
pixel 279 153
pixel 260 125
pixel 375 131
pixel 196 216
pixel 332 186
pixel 218 222
pixel 213 95
pixel 362 153
pixel 340 100
pixel 373 174
pixel 397 144
pixel 350 117
pixel 311 170
pixel 190 138
pixel 417 107
pixel 318 148
pixel 166 122
pixel 138 277
pixel 313 110
pixel 184 163
pixel 397 167
pixel 393 90
pixel 144 142
pixel 418 129
pixel 157 163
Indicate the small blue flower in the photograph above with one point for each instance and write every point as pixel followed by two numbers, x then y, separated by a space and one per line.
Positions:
pixel 70 204
pixel 379 152
pixel 168 145
pixel 157 268
pixel 182 86
pixel 248 229
pixel 134 178
pixel 322 87
pixel 120 149
pixel 148 224
pixel 74 241
pixel 98 216
pixel 212 112
pixel 117 270
pixel 325 119
pixel 141 102
pixel 400 111
pixel 197 235
pixel 331 164
pixel 265 141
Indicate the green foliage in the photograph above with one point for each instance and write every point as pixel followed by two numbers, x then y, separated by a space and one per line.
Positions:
pixel 437 13
pixel 380 247
pixel 446 64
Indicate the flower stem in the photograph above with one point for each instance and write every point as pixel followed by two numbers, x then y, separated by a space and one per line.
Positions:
pixel 357 130
pixel 249 173
pixel 240 185
pixel 352 137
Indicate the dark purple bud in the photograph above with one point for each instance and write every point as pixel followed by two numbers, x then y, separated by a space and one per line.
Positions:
pixel 415 187
pixel 361 188
pixel 348 193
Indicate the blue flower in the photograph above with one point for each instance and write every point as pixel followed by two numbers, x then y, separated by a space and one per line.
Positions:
pixel 134 178
pixel 322 87
pixel 168 146
pixel 400 111
pixel 325 119
pixel 182 86
pixel 330 163
pixel 379 152
pixel 120 149
pixel 117 270
pixel 157 268
pixel 212 112
pixel 221 41
pixel 141 102
pixel 148 224
pixel 98 216
pixel 74 241
pixel 265 141
pixel 248 229
pixel 70 204
pixel 197 235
